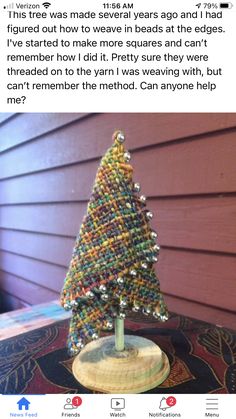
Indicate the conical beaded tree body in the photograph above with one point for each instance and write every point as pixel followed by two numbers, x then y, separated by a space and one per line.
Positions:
pixel 111 270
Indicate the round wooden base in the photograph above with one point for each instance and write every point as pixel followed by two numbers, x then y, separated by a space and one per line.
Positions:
pixel 140 367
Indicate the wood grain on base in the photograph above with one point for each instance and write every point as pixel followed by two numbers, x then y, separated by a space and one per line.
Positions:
pixel 140 367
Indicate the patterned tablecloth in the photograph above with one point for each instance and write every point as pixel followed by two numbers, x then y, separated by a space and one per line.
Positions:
pixel 202 357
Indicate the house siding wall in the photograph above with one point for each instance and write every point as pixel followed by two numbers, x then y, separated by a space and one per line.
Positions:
pixel 186 166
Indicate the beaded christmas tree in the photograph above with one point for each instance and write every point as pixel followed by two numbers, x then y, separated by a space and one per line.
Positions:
pixel 112 267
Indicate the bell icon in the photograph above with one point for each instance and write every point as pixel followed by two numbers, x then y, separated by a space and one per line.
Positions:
pixel 163 404
pixel 168 402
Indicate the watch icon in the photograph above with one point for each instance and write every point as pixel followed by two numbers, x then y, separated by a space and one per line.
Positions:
pixel 117 403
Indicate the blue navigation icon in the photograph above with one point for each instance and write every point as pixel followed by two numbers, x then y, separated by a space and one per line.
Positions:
pixel 23 403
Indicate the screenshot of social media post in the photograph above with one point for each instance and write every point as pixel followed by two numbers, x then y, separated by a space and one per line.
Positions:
pixel 117 56
pixel 117 210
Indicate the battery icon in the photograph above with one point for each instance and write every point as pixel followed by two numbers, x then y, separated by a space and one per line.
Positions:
pixel 226 5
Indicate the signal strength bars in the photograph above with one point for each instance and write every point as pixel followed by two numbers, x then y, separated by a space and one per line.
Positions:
pixel 9 6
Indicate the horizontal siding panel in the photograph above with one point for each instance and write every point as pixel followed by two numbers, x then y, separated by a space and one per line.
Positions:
pixel 193 167
pixel 196 223
pixel 204 278
pixel 87 140
pixel 75 184
pixel 192 276
pixel 29 125
pixel 199 223
pixel 5 116
pixel 201 312
pixel 53 219
pixel 24 290
pixel 162 172
pixel 53 249
pixel 41 273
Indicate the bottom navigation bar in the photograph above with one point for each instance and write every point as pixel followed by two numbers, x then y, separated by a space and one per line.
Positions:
pixel 130 406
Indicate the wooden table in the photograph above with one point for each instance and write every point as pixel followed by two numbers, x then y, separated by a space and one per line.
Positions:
pixel 21 321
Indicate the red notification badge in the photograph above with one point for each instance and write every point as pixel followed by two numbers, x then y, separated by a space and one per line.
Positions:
pixel 171 401
pixel 76 401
